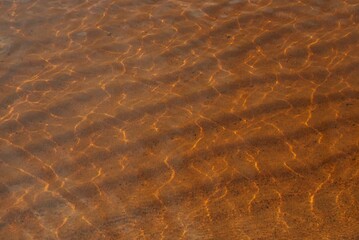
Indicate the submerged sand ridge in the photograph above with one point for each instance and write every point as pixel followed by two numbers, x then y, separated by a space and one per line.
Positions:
pixel 179 119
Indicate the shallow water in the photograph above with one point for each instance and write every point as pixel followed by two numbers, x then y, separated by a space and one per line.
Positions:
pixel 182 119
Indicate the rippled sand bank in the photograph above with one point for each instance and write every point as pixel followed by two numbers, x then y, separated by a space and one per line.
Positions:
pixel 179 119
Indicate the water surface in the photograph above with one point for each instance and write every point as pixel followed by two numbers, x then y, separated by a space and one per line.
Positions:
pixel 182 119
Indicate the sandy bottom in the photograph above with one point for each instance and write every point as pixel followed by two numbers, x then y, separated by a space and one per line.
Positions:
pixel 179 119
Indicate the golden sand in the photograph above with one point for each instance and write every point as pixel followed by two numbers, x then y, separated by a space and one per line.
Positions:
pixel 179 119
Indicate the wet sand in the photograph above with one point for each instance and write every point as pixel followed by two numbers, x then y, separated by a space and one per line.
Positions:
pixel 179 119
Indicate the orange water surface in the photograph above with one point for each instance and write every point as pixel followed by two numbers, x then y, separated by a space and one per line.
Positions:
pixel 179 119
